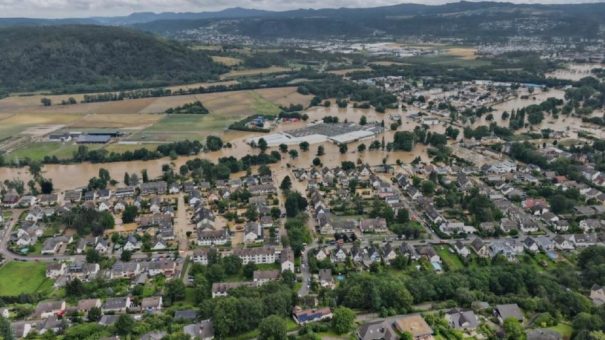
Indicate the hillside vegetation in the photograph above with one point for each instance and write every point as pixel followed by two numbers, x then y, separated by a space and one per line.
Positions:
pixel 85 58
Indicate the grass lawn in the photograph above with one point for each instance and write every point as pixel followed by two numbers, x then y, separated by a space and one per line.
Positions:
pixel 263 106
pixel 290 324
pixel 564 329
pixel 24 278
pixel 37 151
pixel 450 259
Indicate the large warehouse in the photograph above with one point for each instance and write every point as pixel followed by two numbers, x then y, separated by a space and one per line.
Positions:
pixel 339 133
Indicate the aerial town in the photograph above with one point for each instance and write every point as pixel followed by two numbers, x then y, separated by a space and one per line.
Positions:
pixel 310 188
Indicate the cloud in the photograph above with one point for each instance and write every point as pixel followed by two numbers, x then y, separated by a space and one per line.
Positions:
pixel 88 8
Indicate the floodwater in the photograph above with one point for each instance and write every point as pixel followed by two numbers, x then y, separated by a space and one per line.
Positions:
pixel 574 71
pixel 70 176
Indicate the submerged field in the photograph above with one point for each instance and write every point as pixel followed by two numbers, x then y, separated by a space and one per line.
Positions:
pixel 24 278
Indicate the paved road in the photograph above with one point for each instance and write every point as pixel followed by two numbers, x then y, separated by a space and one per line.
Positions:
pixel 304 270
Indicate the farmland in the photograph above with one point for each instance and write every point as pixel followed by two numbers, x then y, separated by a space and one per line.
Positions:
pixel 25 122
pixel 23 278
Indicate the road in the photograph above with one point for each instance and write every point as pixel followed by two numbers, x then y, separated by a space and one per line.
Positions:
pixel 304 270
pixel 182 224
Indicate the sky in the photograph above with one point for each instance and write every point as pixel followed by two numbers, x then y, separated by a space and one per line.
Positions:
pixel 89 8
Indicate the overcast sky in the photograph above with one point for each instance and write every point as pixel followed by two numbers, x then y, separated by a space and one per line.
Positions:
pixel 87 8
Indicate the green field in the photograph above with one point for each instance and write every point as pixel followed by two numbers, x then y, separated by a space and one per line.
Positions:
pixel 450 259
pixel 37 151
pixel 24 278
pixel 182 126
pixel 447 60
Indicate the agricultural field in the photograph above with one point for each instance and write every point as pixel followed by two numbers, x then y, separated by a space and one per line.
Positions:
pixel 227 61
pixel 255 72
pixel 143 120
pixel 24 278
pixel 38 150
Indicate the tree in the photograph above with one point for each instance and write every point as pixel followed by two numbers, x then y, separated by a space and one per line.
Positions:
pixel 535 118
pixel 232 264
pixel 46 101
pixel 283 148
pixel 343 148
pixel 75 287
pixel 264 170
pixel 343 320
pixel 363 120
pixel 361 147
pixel 214 143
pixel 126 179
pixel 320 151
pixel 46 186
pixel 174 291
pixel 6 332
pixel 124 324
pixel 286 184
pixel 293 154
pixel 144 175
pixel 130 214
pixel 262 145
pixel 125 256
pixel 272 328
pixel 93 256
pixel 94 314
pixel 514 330
pixel 249 269
pixel 404 140
pixel 304 146
pixel 316 161
pixel 295 203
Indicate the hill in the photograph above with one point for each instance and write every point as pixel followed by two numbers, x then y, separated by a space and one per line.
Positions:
pixel 474 20
pixel 85 58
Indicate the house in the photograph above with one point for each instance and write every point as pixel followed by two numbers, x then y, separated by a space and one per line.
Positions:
pixel 451 227
pixel 155 188
pixel 85 305
pixel 200 256
pixel 253 232
pixel 125 270
pixel 433 215
pixel 543 334
pixel 306 316
pixel 221 289
pixel 462 319
pixel 339 255
pixel 262 255
pixel 597 295
pixel 263 276
pixel 503 312
pixel 21 329
pixel 480 248
pixel 325 278
pixel 213 237
pixel 563 242
pixel 117 305
pixel 377 330
pixel 461 249
pixel 51 324
pixel 46 309
pixel 108 320
pixel 162 267
pixel 427 252
pixel 203 330
pixel 322 254
pixel 590 225
pixel 545 243
pixel 187 314
pixel 407 250
pixel 153 336
pixel 531 245
pixel 52 245
pixel 373 225
pixel 414 325
pixel 389 253
pixel 132 243
pixel 151 304
pixel 54 270
pixel 286 259
pixel 102 246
